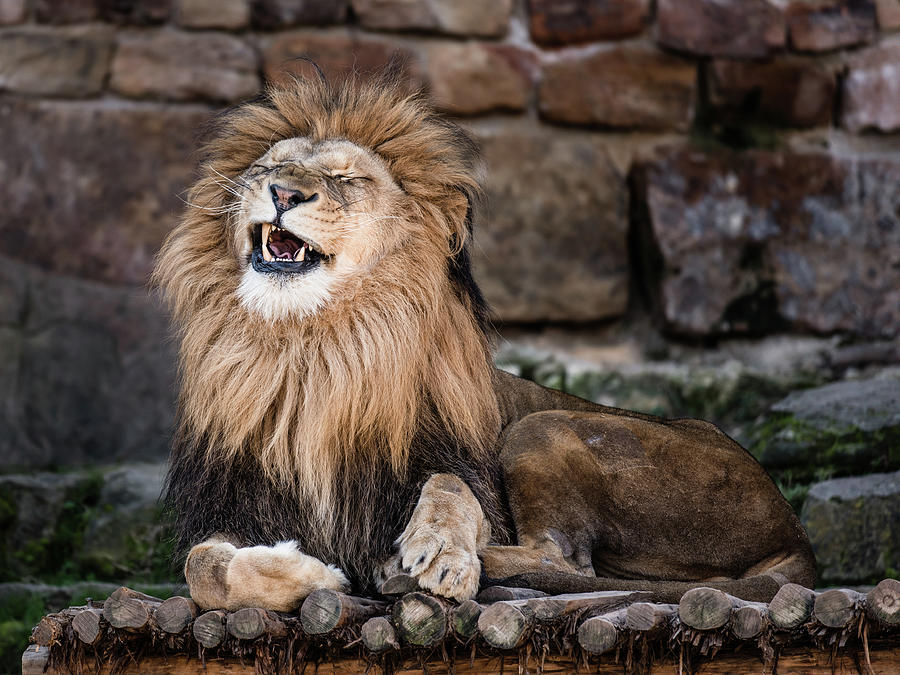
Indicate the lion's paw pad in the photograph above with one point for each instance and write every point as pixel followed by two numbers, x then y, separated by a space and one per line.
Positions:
pixel 442 568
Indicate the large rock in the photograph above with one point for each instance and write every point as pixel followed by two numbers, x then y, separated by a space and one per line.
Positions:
pixel 888 12
pixel 735 28
pixel 871 96
pixel 455 17
pixel 339 53
pixel 71 11
pixel 475 77
pixel 86 372
pixel 90 189
pixel 185 66
pixel 137 12
pixel 758 241
pixel 789 91
pixel 631 87
pixel 551 244
pixel 11 12
pixel 57 62
pixel 833 26
pixel 275 14
pixel 228 14
pixel 854 527
pixel 556 23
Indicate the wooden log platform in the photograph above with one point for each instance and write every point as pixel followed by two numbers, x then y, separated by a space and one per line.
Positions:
pixel 503 630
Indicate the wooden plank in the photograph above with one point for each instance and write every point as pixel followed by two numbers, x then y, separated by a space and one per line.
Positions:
pixel 885 658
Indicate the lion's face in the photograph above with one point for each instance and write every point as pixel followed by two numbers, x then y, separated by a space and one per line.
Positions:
pixel 311 216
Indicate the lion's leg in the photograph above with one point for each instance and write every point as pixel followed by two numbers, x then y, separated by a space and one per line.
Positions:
pixel 441 542
pixel 223 576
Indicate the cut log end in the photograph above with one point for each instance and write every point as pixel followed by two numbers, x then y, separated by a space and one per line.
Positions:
pixel 87 626
pixel 503 626
pixel 464 619
pixel 704 608
pixel 748 622
pixel 325 610
pixel 129 609
pixel 175 614
pixel 883 603
pixel 598 635
pixel 378 635
pixel 399 584
pixel 49 631
pixel 209 628
pixel 420 619
pixel 791 606
pixel 648 617
pixel 836 608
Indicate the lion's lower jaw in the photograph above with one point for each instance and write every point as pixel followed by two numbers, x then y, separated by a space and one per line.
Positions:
pixel 276 298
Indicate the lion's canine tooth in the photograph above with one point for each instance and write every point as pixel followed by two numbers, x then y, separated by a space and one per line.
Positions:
pixel 301 254
pixel 266 230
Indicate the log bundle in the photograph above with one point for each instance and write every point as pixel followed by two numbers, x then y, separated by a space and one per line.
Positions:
pixel 132 632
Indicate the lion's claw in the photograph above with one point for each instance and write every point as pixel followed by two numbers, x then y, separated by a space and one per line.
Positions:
pixel 439 566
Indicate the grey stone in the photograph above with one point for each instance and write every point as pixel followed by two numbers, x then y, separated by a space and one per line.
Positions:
pixel 536 257
pixel 854 526
pixel 12 11
pixel 868 405
pixel 228 14
pixel 871 97
pixel 455 17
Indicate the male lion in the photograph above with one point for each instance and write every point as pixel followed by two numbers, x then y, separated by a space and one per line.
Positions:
pixel 338 397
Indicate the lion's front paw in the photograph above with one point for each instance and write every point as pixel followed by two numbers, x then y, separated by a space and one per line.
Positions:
pixel 440 566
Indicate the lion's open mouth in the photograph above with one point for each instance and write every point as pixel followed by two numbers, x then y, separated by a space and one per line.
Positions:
pixel 277 250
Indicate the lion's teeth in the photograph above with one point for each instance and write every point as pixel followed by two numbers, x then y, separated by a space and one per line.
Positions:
pixel 301 254
pixel 266 231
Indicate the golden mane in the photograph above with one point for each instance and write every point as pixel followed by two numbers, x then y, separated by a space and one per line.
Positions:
pixel 398 350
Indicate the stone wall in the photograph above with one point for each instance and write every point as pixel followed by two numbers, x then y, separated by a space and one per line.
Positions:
pixel 726 168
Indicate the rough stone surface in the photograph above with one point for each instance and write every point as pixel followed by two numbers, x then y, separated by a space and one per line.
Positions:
pixel 70 11
pixel 536 257
pixel 184 66
pixel 275 14
pixel 135 12
pixel 86 372
pixel 744 29
pixel 116 172
pixel 632 87
pixel 557 23
pixel 337 53
pixel 868 405
pixel 871 97
pixel 227 14
pixel 55 62
pixel 758 240
pixel 794 92
pixel 844 24
pixel 854 527
pixel 455 17
pixel 476 77
pixel 888 12
pixel 11 12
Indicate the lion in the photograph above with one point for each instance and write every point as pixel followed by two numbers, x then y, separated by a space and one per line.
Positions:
pixel 340 417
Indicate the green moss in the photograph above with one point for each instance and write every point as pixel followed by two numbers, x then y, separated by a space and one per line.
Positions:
pixel 19 613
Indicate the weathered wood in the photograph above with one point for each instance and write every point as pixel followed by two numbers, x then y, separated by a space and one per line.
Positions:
pixel 87 625
pixel 748 621
pixel 51 629
pixel 175 614
pixel 791 606
pixel 464 619
pixel 883 603
pixel 250 623
pixel 556 606
pixel 325 610
pixel 599 634
pixel 705 608
pixel 129 609
pixel 399 584
pixel 420 619
pixel 503 625
pixel 378 635
pixel 837 607
pixel 35 659
pixel 499 593
pixel 648 617
pixel 209 628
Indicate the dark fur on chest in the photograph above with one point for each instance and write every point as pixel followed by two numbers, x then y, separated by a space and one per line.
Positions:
pixel 374 505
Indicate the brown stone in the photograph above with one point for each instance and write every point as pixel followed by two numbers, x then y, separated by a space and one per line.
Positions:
pixel 758 241
pixel 275 14
pixel 550 243
pixel 475 77
pixel 871 96
pixel 337 53
pixel 633 87
pixel 184 66
pixel 12 11
pixel 135 12
pixel 91 188
pixel 556 22
pixel 453 17
pixel 56 62
pixel 842 24
pixel 70 11
pixel 794 92
pixel 888 12
pixel 227 14
pixel 736 28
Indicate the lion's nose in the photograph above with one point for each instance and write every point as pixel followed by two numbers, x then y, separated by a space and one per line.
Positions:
pixel 286 198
